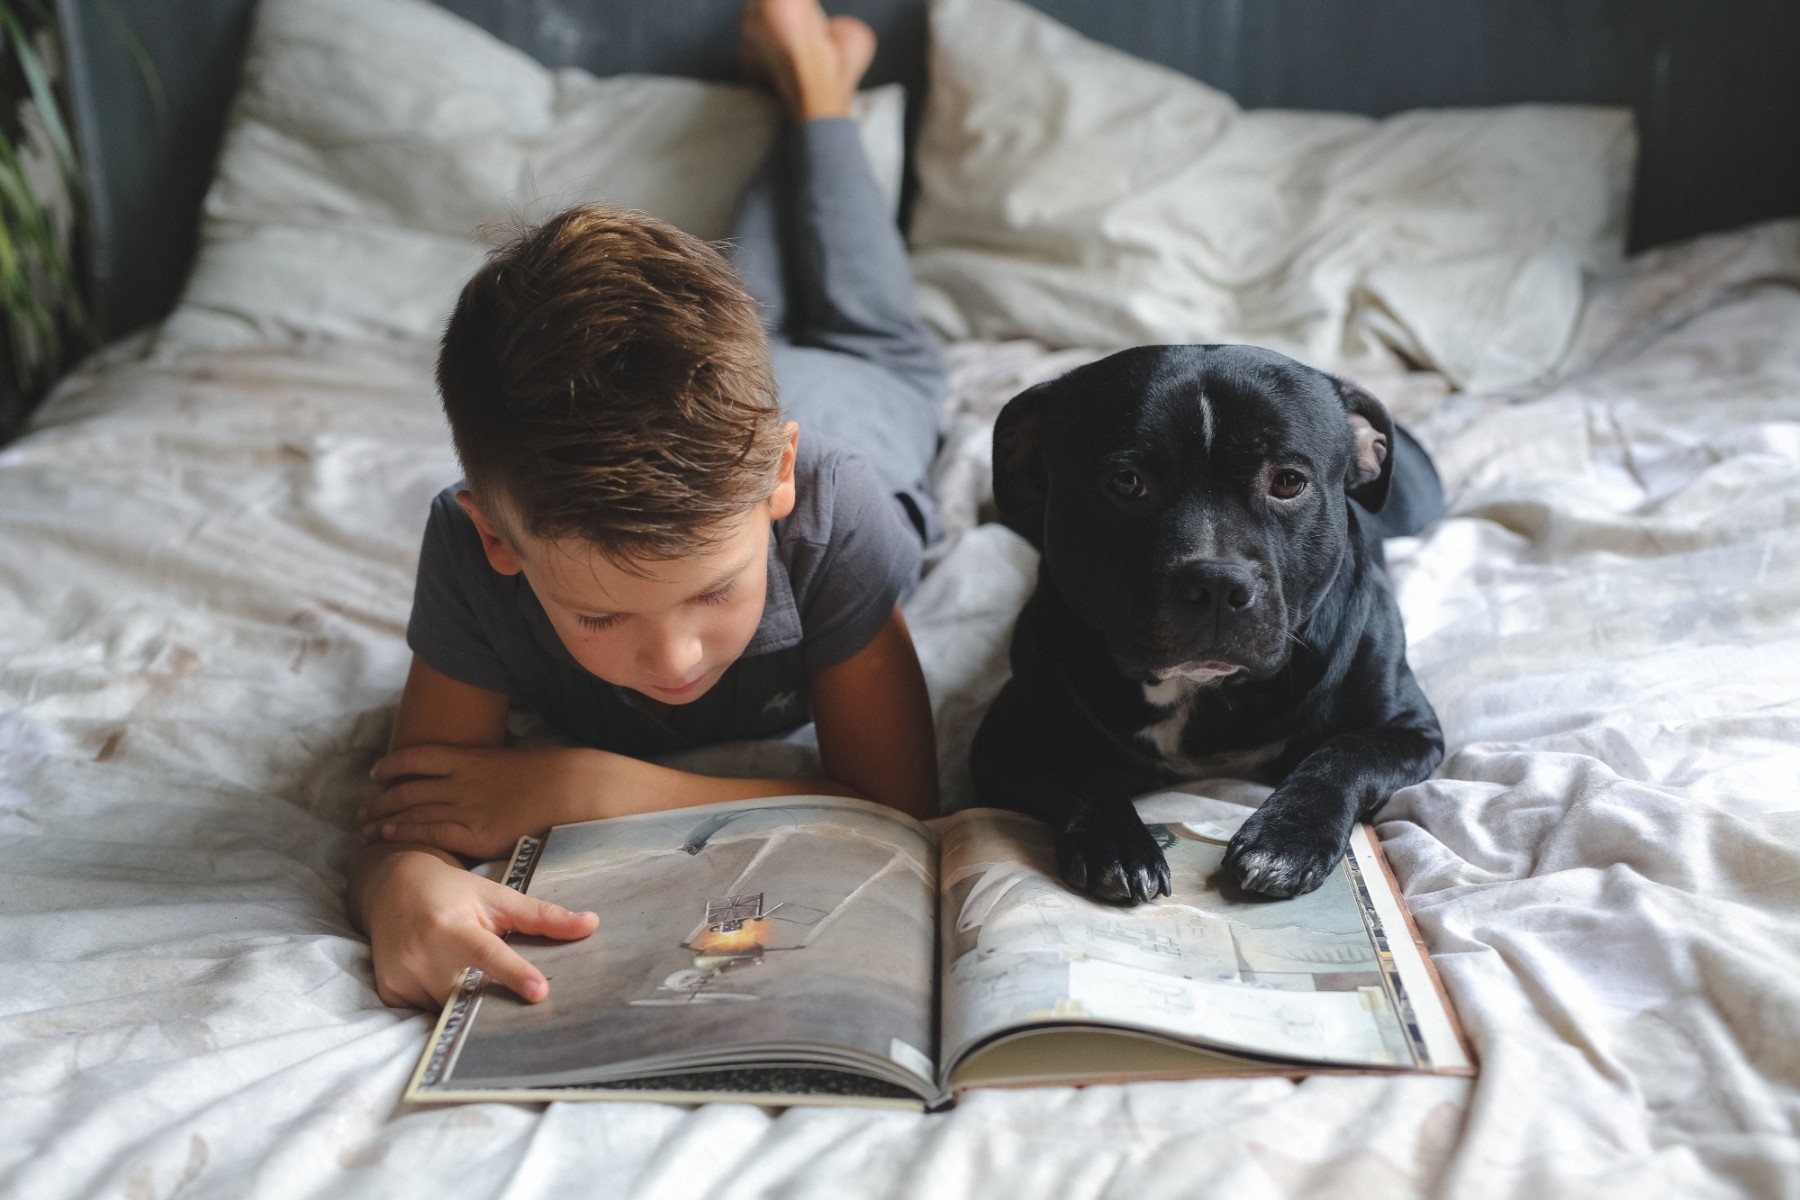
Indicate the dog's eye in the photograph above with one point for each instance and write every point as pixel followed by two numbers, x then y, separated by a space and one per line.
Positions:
pixel 1127 485
pixel 1285 485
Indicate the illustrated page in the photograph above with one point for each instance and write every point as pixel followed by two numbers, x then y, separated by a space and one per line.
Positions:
pixel 755 923
pixel 1299 978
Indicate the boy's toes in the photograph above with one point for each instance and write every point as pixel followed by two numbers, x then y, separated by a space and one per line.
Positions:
pixel 777 29
pixel 855 43
pixel 784 44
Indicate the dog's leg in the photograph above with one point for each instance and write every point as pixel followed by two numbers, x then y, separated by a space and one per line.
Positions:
pixel 1104 850
pixel 1035 759
pixel 1289 845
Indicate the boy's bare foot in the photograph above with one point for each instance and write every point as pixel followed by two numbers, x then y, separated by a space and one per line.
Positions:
pixel 814 62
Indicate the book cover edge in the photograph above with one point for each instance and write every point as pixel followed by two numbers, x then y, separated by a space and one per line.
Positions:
pixel 445 1042
pixel 1373 839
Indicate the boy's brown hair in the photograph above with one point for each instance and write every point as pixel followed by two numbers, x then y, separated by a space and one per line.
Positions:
pixel 607 377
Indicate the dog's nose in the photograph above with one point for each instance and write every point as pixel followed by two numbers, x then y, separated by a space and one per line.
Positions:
pixel 1216 583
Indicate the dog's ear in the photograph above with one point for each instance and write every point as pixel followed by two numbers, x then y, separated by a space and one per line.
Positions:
pixel 1021 483
pixel 1372 462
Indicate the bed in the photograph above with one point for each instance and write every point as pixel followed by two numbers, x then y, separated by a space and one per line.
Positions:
pixel 206 545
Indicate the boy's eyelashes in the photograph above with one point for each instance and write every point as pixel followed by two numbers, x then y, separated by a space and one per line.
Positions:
pixel 718 595
pixel 597 623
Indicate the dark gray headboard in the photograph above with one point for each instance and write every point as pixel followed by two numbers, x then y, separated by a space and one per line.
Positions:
pixel 1716 86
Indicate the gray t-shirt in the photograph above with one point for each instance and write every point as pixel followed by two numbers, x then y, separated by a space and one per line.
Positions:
pixel 837 566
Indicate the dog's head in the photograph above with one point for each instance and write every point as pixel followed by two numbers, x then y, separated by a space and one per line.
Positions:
pixel 1190 500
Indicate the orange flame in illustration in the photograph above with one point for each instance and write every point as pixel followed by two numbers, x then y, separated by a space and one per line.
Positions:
pixel 748 936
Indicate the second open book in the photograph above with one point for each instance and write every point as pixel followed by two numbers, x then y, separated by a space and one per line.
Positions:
pixel 811 949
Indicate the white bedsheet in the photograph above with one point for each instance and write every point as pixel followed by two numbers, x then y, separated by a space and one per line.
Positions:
pixel 205 566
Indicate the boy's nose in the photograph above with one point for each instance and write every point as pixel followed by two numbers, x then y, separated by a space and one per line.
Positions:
pixel 672 656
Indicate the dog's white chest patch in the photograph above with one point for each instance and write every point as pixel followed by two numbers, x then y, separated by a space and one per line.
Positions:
pixel 1165 734
pixel 1175 697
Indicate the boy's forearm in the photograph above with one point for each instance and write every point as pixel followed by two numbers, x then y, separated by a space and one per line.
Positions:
pixel 438 709
pixel 620 785
pixel 874 718
pixel 478 800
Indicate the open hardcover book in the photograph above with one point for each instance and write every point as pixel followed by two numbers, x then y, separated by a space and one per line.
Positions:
pixel 813 950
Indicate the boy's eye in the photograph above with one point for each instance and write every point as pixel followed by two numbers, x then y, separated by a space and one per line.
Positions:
pixel 719 595
pixel 597 623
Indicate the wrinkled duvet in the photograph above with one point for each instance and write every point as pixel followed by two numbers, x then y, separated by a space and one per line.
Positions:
pixel 205 568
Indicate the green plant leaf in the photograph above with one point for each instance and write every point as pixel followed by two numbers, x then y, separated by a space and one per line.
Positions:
pixel 42 302
pixel 41 92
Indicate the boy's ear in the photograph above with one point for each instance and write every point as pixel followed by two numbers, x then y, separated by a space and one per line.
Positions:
pixel 781 502
pixel 1372 458
pixel 500 554
pixel 1020 482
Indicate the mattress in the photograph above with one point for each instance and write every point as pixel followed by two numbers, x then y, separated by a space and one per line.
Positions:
pixel 205 570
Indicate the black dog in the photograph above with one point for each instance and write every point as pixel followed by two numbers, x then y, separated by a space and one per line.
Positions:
pixel 1211 601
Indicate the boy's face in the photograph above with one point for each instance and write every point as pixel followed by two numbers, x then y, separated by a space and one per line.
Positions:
pixel 666 629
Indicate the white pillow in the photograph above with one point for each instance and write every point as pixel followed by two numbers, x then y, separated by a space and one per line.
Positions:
pixel 1077 195
pixel 371 141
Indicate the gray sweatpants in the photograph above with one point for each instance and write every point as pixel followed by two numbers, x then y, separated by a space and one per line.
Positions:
pixel 817 247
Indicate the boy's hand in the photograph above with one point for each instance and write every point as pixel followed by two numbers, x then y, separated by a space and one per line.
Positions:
pixel 479 800
pixel 428 920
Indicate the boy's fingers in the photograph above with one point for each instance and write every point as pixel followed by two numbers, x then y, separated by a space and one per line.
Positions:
pixel 424 814
pixel 540 917
pixel 502 965
pixel 445 835
pixel 428 758
pixel 402 797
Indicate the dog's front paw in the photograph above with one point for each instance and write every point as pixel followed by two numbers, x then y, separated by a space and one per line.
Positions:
pixel 1283 854
pixel 1111 856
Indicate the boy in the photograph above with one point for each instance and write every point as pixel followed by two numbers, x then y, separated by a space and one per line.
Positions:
pixel 646 549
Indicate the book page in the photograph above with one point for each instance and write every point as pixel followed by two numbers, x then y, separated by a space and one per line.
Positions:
pixel 1301 978
pixel 797 922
